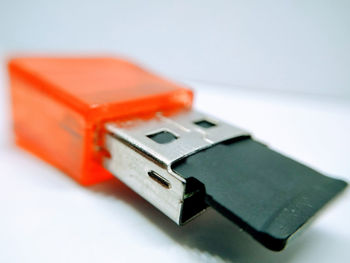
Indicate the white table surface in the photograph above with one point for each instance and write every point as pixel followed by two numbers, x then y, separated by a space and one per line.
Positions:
pixel 47 217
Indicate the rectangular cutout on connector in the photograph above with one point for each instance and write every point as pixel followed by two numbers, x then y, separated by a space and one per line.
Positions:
pixel 162 137
pixel 204 124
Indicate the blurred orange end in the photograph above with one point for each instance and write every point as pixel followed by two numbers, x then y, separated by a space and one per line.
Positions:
pixel 60 105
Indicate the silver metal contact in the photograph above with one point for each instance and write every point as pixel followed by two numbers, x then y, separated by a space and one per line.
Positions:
pixel 143 162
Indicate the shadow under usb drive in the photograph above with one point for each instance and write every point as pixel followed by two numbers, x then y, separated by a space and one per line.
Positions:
pixel 209 233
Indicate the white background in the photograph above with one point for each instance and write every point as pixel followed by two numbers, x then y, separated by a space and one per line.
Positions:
pixel 278 69
pixel 280 45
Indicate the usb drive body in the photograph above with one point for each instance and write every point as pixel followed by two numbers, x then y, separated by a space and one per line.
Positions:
pixel 99 118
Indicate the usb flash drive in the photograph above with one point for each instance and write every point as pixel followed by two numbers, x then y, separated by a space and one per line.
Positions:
pixel 99 118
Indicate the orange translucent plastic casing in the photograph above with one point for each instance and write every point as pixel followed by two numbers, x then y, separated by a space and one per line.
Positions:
pixel 60 105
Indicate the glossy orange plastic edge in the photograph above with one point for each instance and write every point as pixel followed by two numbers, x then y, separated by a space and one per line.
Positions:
pixel 60 105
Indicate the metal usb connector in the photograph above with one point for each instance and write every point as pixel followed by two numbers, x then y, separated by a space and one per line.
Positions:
pixel 186 162
pixel 143 151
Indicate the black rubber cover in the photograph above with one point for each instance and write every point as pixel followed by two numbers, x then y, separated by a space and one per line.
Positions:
pixel 265 193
